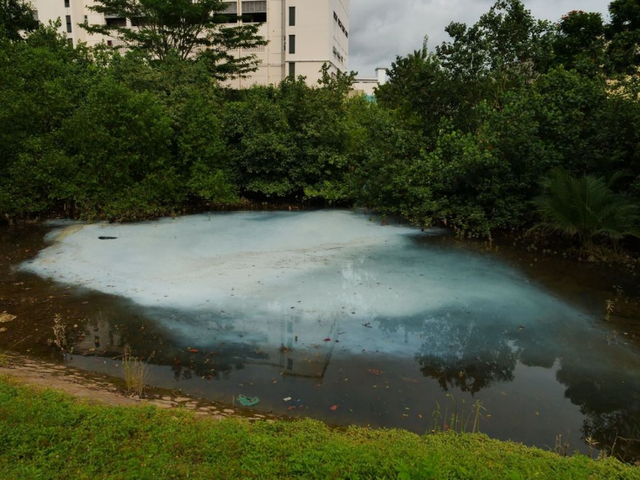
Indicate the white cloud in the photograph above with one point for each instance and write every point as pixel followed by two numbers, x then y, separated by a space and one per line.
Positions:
pixel 382 29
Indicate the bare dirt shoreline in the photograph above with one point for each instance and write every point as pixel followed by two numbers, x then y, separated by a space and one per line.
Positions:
pixel 102 389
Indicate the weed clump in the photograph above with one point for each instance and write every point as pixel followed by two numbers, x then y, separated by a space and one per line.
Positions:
pixel 135 373
pixel 460 418
pixel 59 332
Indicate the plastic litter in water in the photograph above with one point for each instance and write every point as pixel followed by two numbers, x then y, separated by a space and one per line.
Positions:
pixel 248 401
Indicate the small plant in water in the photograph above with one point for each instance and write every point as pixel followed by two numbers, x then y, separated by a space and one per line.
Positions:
pixel 562 447
pixel 460 419
pixel 592 444
pixel 59 332
pixel 623 446
pixel 610 306
pixel 135 372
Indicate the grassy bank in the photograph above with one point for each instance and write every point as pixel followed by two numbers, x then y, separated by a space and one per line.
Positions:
pixel 47 435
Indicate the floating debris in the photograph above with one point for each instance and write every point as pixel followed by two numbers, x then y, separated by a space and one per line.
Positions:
pixel 248 401
pixel 6 317
pixel 410 380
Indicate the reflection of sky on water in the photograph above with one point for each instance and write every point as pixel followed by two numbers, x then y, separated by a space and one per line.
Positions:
pixel 312 294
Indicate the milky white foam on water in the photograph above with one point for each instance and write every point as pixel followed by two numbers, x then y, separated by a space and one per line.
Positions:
pixel 321 269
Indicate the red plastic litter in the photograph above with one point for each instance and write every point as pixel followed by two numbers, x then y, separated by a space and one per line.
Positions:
pixel 327 339
pixel 334 408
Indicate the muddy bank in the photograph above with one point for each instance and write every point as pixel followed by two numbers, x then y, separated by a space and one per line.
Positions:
pixel 102 389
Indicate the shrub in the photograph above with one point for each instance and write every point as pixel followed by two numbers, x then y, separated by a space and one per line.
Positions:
pixel 586 208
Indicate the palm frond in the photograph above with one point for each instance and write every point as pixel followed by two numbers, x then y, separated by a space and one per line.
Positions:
pixel 586 207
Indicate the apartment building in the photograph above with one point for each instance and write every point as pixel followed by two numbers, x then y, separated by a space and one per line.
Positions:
pixel 367 86
pixel 303 34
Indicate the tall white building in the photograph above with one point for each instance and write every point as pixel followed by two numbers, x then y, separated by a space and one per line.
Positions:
pixel 303 34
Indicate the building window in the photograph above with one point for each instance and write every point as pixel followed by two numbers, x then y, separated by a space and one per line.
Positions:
pixel 254 11
pixel 86 19
pixel 292 69
pixel 292 44
pixel 231 8
pixel 70 41
pixel 253 7
pixel 116 22
pixel 340 25
pixel 69 28
pixel 230 13
pixel 258 17
pixel 66 4
pixel 292 16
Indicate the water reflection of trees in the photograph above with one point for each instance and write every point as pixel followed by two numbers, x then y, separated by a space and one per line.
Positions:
pixel 468 349
pixel 216 358
pixel 467 352
pixel 465 374
pixel 616 432
pixel 210 345
pixel 610 402
pixel 211 364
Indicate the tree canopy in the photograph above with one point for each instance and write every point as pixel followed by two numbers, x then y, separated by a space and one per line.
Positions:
pixel 580 41
pixel 16 16
pixel 182 29
pixel 507 37
pixel 623 34
pixel 462 136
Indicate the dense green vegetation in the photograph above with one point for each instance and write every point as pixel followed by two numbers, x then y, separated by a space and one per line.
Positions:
pixel 47 435
pixel 586 208
pixel 503 104
pixel 16 17
pixel 464 135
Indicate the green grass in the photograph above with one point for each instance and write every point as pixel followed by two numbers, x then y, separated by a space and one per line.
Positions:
pixel 45 435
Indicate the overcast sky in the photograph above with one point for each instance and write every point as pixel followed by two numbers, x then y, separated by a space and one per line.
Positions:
pixel 382 29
